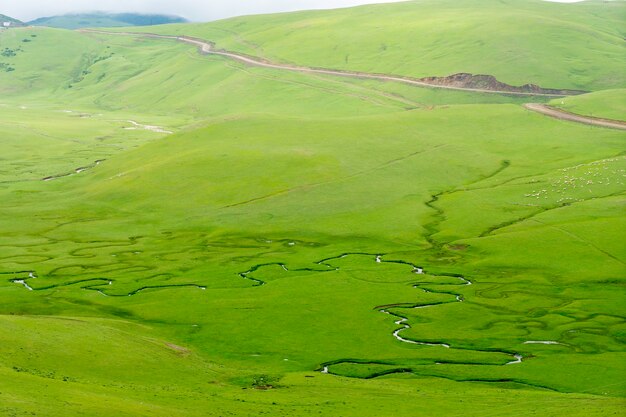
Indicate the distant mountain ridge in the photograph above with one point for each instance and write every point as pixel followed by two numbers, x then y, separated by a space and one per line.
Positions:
pixel 102 19
pixel 6 21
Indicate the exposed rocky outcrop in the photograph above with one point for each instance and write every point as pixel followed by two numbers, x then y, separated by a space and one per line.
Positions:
pixel 489 82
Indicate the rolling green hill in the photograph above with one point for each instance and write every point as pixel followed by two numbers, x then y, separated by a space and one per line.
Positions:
pixel 101 19
pixel 608 103
pixel 188 235
pixel 578 45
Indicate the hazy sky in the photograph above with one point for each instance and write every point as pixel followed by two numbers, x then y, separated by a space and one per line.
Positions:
pixel 197 10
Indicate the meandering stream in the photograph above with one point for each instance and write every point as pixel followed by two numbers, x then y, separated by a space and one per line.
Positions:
pixel 401 320
pixel 75 172
pixel 323 266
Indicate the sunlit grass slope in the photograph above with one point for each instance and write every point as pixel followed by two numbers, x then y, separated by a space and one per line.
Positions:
pixel 94 71
pixel 107 367
pixel 41 64
pixel 158 235
pixel 246 229
pixel 609 104
pixel 531 41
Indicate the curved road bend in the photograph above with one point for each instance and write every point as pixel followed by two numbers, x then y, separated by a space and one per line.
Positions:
pixel 573 117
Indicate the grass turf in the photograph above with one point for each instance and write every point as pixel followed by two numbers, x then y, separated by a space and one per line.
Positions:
pixel 145 268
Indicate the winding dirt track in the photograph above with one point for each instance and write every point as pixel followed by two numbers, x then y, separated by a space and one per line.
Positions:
pixel 208 48
pixel 573 117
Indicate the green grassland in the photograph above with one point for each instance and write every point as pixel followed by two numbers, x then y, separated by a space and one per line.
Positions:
pixel 610 104
pixel 580 46
pixel 252 242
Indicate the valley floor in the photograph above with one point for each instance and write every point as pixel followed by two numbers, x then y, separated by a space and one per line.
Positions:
pixel 190 235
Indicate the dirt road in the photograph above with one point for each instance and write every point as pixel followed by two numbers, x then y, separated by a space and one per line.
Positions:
pixel 208 48
pixel 572 117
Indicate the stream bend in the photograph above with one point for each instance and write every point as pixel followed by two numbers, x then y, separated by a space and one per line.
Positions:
pixel 400 320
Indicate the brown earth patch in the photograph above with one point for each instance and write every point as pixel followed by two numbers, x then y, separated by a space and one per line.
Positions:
pixel 489 82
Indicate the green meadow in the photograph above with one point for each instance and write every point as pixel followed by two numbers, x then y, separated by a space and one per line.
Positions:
pixel 609 104
pixel 532 41
pixel 186 235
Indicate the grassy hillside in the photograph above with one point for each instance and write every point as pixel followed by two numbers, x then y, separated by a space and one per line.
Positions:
pixel 185 235
pixel 130 227
pixel 39 65
pixel 94 70
pixel 555 45
pixel 86 20
pixel 609 104
pixel 140 382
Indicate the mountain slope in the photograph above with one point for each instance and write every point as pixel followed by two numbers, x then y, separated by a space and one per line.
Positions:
pixel 84 20
pixel 554 45
pixel 6 21
pixel 610 104
pixel 94 68
pixel 187 235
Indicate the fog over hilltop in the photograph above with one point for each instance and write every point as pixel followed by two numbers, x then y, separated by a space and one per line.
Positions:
pixel 194 10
